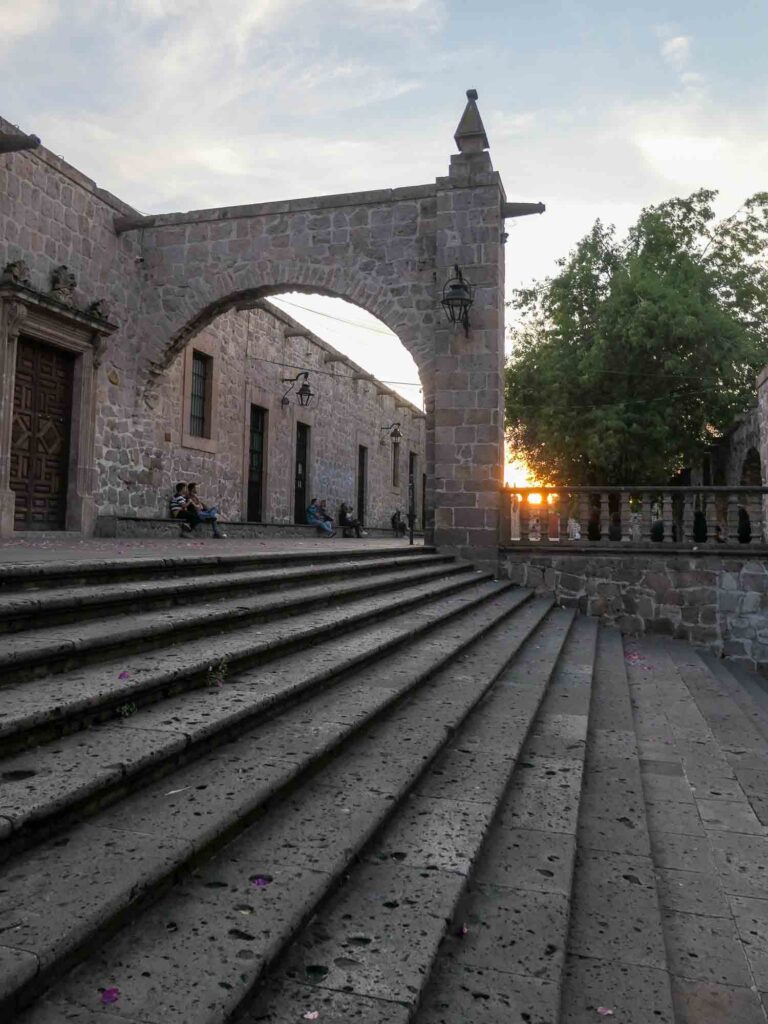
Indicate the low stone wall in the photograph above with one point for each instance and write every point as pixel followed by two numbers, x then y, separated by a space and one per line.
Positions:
pixel 714 601
pixel 139 526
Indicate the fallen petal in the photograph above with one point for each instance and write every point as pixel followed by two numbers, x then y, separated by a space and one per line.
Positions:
pixel 110 995
pixel 124 675
pixel 604 1011
pixel 311 1015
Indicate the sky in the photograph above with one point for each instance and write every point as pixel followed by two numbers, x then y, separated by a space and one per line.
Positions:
pixel 592 107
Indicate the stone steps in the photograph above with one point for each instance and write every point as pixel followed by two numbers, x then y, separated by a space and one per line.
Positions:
pixel 83 571
pixel 305 843
pixel 79 600
pixel 358 679
pixel 75 774
pixel 449 802
pixel 615 956
pixel 60 648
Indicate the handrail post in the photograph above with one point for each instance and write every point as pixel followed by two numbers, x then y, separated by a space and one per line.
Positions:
pixel 505 518
pixel 710 513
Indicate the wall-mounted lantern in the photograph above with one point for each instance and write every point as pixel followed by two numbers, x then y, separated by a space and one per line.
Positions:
pixel 395 433
pixel 457 299
pixel 305 394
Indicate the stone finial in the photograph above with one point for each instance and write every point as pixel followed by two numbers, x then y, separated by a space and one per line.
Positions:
pixel 470 135
pixel 63 284
pixel 16 272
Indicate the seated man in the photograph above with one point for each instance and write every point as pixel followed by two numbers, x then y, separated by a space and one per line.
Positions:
pixel 348 523
pixel 316 517
pixel 398 526
pixel 180 509
pixel 204 514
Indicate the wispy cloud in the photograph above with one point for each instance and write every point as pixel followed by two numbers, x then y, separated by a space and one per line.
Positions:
pixel 18 20
pixel 676 50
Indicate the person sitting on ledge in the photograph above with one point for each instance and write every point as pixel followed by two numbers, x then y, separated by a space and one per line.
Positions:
pixel 180 509
pixel 348 523
pixel 204 514
pixel 317 517
pixel 398 526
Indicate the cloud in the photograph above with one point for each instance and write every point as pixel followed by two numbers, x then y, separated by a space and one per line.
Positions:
pixel 676 51
pixel 18 20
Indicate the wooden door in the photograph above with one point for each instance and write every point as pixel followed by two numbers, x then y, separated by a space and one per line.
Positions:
pixel 362 483
pixel 256 465
pixel 42 420
pixel 300 498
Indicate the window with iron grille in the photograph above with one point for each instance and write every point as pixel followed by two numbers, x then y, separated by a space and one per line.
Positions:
pixel 200 406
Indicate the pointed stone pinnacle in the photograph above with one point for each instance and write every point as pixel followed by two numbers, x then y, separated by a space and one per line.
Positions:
pixel 470 135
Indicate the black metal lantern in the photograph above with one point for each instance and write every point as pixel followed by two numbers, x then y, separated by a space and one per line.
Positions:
pixel 457 299
pixel 305 394
pixel 395 433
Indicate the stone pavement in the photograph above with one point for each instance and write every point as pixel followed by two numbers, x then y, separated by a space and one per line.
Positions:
pixel 359 781
pixel 48 548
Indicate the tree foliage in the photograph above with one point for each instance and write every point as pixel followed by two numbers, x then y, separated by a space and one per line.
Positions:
pixel 641 351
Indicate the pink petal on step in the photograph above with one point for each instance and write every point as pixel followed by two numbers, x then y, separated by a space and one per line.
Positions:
pixel 311 1015
pixel 110 995
pixel 124 675
pixel 604 1011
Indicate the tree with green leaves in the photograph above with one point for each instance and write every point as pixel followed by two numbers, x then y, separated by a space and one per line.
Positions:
pixel 640 352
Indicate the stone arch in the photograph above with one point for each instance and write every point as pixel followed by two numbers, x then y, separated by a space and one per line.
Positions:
pixel 751 469
pixel 389 252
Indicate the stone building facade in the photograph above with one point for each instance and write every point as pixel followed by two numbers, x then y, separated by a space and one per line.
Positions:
pixel 120 297
pixel 246 453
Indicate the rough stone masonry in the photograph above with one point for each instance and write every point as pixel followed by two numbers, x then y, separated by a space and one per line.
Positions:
pixel 142 288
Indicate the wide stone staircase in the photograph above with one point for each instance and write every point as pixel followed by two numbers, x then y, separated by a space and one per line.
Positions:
pixel 376 786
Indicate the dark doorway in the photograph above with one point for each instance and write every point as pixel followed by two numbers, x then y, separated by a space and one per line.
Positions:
pixel 423 501
pixel 256 465
pixel 42 420
pixel 300 501
pixel 362 482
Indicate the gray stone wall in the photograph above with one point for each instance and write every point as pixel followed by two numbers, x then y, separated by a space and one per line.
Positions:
pixel 140 458
pixel 174 278
pixel 716 602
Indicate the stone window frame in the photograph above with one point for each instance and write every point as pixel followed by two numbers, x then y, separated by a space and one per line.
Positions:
pixel 210 348
pixel 27 313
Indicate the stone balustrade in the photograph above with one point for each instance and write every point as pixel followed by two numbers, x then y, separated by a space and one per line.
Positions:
pixel 637 517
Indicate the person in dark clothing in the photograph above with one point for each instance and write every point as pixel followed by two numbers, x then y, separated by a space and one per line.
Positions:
pixel 348 523
pixel 398 526
pixel 179 508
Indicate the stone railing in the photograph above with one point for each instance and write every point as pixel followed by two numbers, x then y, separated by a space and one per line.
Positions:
pixel 686 517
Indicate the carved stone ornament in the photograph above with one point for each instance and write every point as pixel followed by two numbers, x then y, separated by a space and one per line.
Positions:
pixel 16 272
pixel 63 284
pixel 16 314
pixel 99 308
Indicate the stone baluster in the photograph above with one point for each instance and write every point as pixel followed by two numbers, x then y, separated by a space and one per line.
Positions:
pixel 687 537
pixel 583 514
pixel 710 513
pixel 564 507
pixel 605 516
pixel 626 518
pixel 525 518
pixel 666 516
pixel 645 519
pixel 732 520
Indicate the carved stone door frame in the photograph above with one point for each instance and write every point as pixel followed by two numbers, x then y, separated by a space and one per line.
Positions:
pixel 42 318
